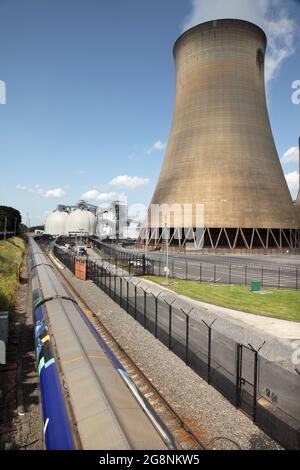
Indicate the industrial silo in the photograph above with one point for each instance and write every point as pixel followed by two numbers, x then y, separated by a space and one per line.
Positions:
pixel 221 152
pixel 93 223
pixel 55 224
pixel 78 222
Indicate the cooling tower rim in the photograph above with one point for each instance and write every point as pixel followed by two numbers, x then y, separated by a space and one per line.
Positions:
pixel 221 20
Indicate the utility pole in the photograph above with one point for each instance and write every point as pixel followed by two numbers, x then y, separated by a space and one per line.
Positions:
pixel 28 221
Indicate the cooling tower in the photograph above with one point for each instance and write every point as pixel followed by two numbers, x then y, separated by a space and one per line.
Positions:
pixel 221 152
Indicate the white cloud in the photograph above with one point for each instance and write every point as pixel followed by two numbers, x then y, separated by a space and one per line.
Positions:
pixel 56 193
pixel 281 33
pixel 95 195
pixel 270 15
pixel 90 195
pixel 292 180
pixel 129 182
pixel 291 156
pixel 109 196
pixel 157 146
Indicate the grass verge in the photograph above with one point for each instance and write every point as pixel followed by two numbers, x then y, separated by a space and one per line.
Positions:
pixel 11 254
pixel 283 304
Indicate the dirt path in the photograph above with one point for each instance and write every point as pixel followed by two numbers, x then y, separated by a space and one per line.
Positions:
pixel 20 422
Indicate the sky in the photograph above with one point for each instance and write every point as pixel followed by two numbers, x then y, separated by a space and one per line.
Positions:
pixel 87 92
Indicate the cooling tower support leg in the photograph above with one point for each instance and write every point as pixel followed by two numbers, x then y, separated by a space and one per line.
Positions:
pixel 229 239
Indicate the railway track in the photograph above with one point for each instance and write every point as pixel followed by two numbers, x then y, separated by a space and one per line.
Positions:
pixel 184 435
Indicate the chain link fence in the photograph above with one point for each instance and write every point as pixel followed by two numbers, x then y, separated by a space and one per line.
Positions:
pixel 266 392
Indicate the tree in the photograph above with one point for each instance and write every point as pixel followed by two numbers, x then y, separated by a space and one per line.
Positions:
pixel 13 219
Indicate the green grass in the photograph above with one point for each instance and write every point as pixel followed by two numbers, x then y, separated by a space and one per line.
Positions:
pixel 283 304
pixel 11 254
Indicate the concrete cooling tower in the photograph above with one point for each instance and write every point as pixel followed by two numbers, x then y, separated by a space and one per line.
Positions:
pixel 221 152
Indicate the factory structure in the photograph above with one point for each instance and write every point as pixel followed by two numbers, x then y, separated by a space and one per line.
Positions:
pixel 221 153
pixel 84 219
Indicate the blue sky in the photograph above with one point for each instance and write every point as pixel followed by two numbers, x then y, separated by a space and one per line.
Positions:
pixel 90 88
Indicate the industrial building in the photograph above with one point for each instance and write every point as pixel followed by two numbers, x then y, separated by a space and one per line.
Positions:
pixel 221 152
pixel 85 219
pixel 72 220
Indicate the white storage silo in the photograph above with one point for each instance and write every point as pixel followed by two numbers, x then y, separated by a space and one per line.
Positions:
pixel 56 223
pixel 78 222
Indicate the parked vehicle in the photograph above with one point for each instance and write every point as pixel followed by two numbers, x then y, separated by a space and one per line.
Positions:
pixel 139 263
pixel 81 251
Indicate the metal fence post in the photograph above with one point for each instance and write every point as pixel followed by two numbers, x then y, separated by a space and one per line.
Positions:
pixel 255 379
pixel 145 307
pixel 186 270
pixel 187 332
pixel 187 326
pixel 255 386
pixel 115 286
pixel 262 277
pixel 135 301
pixel 170 322
pixel 296 278
pixel 200 274
pixel 156 312
pixel 170 326
pixel 156 315
pixel 229 274
pixel 121 294
pixel 246 276
pixel 127 299
pixel 209 350
pixel 239 353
